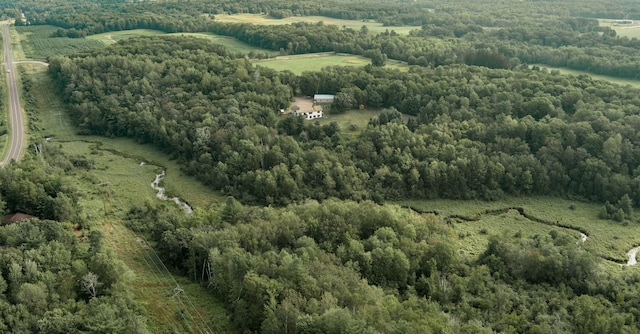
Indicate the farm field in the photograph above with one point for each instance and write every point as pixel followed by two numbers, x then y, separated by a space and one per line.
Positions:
pixel 373 27
pixel 118 162
pixel 230 43
pixel 37 42
pixel 316 61
pixel 626 30
pixel 605 237
pixel 616 80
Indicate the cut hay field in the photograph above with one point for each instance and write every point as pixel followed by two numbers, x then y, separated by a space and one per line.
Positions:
pixel 615 80
pixel 623 30
pixel 316 61
pixel 37 42
pixel 374 27
pixel 230 43
pixel 605 237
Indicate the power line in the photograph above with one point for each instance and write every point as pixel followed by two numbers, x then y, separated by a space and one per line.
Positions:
pixel 209 330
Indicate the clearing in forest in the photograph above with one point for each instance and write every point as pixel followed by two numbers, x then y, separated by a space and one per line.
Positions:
pixel 316 61
pixel 230 43
pixel 615 80
pixel 374 27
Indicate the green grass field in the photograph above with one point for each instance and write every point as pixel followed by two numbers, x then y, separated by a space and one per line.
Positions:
pixel 616 80
pixel 316 61
pixel 352 122
pixel 230 43
pixel 605 237
pixel 37 42
pixel 374 27
pixel 622 30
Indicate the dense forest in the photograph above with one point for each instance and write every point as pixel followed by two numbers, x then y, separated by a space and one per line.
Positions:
pixel 354 267
pixel 472 132
pixel 306 241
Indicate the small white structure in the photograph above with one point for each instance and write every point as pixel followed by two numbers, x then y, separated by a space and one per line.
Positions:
pixel 311 115
pixel 617 22
pixel 323 98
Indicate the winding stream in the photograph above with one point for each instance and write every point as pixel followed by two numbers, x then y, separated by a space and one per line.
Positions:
pixel 632 256
pixel 163 196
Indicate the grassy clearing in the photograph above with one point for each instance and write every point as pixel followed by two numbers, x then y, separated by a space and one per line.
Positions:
pixel 117 161
pixel 374 27
pixel 230 43
pixel 615 80
pixel 37 42
pixel 112 37
pixel 606 237
pixel 628 30
pixel 316 61
pixel 352 122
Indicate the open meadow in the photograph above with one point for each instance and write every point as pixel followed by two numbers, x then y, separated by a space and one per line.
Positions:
pixel 606 238
pixel 615 80
pixel 230 43
pixel 316 61
pixel 627 30
pixel 374 27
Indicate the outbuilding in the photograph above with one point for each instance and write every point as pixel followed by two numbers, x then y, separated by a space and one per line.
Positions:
pixel 323 98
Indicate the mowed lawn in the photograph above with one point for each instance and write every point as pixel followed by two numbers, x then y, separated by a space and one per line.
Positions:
pixel 316 61
pixel 616 80
pixel 351 122
pixel 374 27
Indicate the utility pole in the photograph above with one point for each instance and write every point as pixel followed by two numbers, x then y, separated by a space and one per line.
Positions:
pixel 102 186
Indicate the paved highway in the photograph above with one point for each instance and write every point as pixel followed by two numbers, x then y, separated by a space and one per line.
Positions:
pixel 15 112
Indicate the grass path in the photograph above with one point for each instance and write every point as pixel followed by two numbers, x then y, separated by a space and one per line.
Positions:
pixel 156 288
